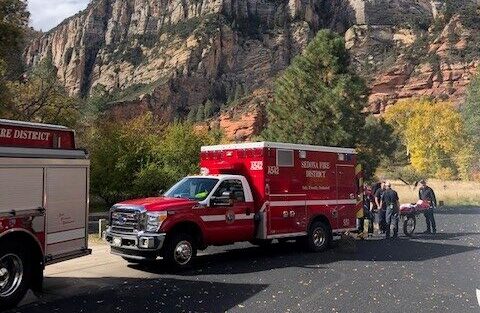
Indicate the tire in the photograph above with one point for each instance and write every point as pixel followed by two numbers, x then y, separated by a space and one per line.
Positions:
pixel 180 251
pixel 15 275
pixel 319 237
pixel 262 242
pixel 409 225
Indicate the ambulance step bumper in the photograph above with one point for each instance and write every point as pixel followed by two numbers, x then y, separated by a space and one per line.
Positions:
pixel 136 246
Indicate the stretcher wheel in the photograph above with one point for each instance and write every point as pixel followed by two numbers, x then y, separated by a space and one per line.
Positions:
pixel 409 224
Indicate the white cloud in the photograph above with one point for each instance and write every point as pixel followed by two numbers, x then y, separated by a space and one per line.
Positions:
pixel 46 14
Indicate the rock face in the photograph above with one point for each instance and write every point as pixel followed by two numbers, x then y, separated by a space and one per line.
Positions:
pixel 183 51
pixel 171 56
pixel 441 68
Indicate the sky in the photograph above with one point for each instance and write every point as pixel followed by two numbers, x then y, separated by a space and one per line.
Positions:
pixel 46 14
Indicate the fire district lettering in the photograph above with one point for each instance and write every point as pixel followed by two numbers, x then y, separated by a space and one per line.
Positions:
pixel 314 169
pixel 24 134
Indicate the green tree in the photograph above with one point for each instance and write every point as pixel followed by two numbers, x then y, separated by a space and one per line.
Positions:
pixel 42 98
pixel 180 148
pixel 319 101
pixel 125 162
pixel 5 96
pixel 13 22
pixel 208 109
pixel 139 158
pixel 200 116
pixel 192 115
pixel 470 111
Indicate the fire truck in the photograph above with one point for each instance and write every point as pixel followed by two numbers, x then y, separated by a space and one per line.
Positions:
pixel 254 192
pixel 43 204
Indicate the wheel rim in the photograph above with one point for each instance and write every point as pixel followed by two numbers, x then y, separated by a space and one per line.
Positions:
pixel 11 274
pixel 183 252
pixel 410 225
pixel 319 237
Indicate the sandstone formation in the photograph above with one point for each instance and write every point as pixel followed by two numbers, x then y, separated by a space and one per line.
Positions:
pixel 171 56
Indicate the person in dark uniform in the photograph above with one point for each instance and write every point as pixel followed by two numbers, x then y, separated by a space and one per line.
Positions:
pixel 381 209
pixel 426 193
pixel 392 205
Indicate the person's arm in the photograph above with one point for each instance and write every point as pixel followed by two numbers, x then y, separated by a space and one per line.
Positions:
pixel 434 198
pixel 377 199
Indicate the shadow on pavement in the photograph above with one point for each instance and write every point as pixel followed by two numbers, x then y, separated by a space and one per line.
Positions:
pixel 147 295
pixel 254 259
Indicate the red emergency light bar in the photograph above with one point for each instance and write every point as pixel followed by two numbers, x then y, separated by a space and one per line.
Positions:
pixel 35 135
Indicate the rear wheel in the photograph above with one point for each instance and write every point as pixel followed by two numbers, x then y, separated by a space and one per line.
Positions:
pixel 180 251
pixel 15 274
pixel 409 225
pixel 319 237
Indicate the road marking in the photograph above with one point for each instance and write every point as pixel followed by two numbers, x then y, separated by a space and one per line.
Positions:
pixel 478 296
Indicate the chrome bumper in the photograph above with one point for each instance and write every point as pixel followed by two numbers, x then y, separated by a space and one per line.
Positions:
pixel 140 245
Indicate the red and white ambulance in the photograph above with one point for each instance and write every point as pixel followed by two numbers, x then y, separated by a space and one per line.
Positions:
pixel 253 192
pixel 43 204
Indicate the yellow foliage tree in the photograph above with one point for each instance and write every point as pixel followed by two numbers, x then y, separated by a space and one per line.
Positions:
pixel 433 134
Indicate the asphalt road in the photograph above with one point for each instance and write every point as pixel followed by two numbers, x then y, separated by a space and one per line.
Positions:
pixel 425 274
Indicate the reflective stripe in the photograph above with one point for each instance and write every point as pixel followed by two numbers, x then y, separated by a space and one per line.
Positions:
pixel 219 218
pixel 343 230
pixel 312 202
pixel 287 235
pixel 65 236
pixel 213 218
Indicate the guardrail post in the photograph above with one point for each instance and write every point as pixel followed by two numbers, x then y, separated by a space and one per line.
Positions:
pixel 102 227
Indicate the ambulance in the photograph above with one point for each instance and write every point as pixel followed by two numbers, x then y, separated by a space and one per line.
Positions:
pixel 256 192
pixel 44 191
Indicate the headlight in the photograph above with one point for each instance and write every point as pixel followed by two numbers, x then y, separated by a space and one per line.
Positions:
pixel 155 220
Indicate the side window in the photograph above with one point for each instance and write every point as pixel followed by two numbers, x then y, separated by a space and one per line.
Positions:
pixel 285 158
pixel 235 186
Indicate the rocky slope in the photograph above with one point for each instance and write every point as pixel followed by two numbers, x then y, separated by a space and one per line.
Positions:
pixel 171 56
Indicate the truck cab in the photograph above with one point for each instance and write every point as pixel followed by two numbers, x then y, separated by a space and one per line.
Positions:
pixel 208 209
pixel 253 192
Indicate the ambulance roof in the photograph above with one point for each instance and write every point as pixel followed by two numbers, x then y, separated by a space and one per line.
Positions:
pixel 277 145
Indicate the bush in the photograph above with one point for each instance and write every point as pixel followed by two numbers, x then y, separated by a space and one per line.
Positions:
pixel 138 158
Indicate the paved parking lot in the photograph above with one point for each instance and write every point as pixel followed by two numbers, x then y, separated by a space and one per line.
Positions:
pixel 425 274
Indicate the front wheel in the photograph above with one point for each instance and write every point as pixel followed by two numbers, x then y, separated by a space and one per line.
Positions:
pixel 15 271
pixel 409 225
pixel 319 237
pixel 180 251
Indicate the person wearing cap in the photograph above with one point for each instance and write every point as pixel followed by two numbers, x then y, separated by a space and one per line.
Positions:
pixel 427 194
pixel 392 204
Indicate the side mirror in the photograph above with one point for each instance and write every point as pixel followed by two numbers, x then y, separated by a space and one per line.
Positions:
pixel 228 195
pixel 225 200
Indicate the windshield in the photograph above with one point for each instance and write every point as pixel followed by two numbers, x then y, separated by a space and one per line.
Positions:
pixel 193 188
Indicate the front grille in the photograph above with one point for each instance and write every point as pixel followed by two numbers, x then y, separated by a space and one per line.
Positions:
pixel 127 220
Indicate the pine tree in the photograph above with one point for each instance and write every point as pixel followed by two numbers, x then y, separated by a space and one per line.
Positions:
pixel 200 113
pixel 208 109
pixel 238 92
pixel 192 115
pixel 319 101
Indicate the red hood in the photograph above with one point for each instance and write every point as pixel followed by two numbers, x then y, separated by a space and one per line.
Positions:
pixel 161 203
